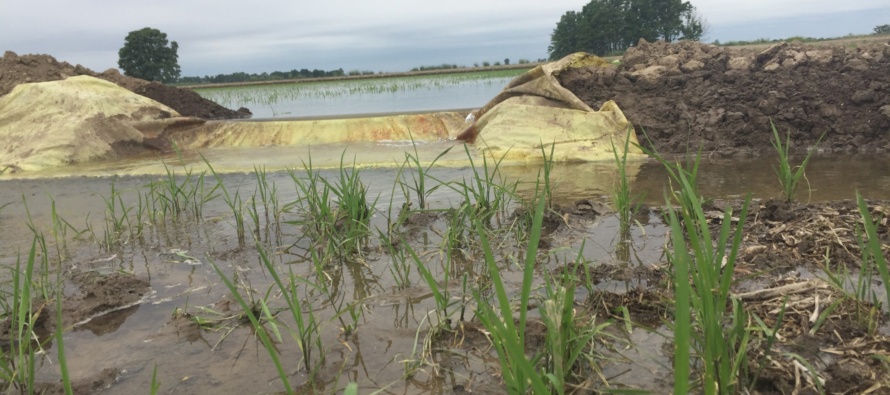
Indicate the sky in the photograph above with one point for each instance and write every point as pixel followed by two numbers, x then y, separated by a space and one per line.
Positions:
pixel 224 36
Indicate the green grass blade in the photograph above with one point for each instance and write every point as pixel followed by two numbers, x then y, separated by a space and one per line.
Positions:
pixel 60 344
pixel 682 326
pixel 264 337
pixel 874 244
pixel 155 383
pixel 531 257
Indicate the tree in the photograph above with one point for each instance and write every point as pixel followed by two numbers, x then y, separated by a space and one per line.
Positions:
pixel 564 39
pixel 605 26
pixel 146 54
pixel 883 29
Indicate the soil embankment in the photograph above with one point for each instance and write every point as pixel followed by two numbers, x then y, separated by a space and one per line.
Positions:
pixel 688 95
pixel 15 70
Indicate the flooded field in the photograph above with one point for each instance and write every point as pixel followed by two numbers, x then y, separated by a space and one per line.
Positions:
pixel 364 96
pixel 278 278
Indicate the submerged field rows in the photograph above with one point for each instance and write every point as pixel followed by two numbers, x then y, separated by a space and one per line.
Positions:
pixel 397 94
pixel 317 281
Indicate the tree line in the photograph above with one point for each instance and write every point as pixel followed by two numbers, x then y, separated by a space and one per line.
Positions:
pixel 147 54
pixel 275 75
pixel 608 26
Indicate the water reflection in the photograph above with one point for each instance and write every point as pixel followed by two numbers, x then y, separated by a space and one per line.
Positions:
pixel 827 178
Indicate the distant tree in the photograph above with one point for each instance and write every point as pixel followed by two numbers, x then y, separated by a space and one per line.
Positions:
pixel 507 61
pixel 146 54
pixel 565 37
pixel 605 26
pixel 883 29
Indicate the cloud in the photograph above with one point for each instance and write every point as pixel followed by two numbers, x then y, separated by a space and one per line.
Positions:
pixel 224 36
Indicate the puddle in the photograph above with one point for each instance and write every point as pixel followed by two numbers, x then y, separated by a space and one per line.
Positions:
pixel 179 316
pixel 643 364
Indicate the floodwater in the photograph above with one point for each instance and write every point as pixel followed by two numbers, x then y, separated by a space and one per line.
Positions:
pixel 365 96
pixel 228 358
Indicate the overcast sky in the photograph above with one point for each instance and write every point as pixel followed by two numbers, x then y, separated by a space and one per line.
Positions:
pixel 224 36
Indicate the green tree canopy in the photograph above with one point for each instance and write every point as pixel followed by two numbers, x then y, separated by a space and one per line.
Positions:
pixel 605 26
pixel 883 29
pixel 146 54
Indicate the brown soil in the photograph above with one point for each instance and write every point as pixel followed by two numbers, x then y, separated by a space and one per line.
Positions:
pixel 188 103
pixel 103 301
pixel 784 245
pixel 15 69
pixel 685 95
pixel 101 304
pixel 783 235
pixel 94 383
pixel 782 241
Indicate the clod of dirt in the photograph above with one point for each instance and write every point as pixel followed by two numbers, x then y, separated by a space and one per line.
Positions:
pixel 180 327
pixel 778 210
pixel 103 302
pixel 688 95
pixel 15 70
pixel 848 377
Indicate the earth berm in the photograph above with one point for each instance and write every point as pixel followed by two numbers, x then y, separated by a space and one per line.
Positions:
pixel 688 95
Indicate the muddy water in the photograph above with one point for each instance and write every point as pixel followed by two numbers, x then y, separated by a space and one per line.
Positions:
pixel 227 358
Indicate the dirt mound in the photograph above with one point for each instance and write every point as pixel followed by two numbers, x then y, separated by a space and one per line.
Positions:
pixel 188 103
pixel 689 94
pixel 15 70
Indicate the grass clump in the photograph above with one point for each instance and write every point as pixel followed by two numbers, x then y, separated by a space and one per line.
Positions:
pixel 254 316
pixel 707 319
pixel 720 339
pixel 354 210
pixel 626 203
pixel 872 251
pixel 419 176
pixel 17 365
pixel 22 306
pixel 789 176
pixel 567 357
pixel 336 214
pixel 519 372
pixel 307 329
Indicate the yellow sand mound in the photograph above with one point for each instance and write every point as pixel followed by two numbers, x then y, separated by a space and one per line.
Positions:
pixel 78 119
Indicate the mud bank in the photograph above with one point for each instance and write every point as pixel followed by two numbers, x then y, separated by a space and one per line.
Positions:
pixel 685 95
